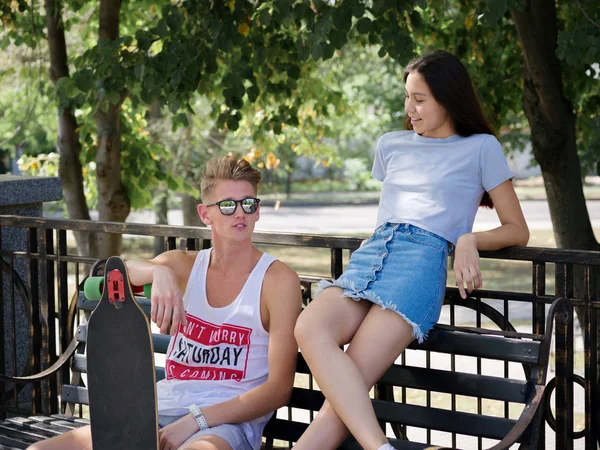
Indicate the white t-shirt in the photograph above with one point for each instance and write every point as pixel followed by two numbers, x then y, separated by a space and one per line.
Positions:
pixel 436 184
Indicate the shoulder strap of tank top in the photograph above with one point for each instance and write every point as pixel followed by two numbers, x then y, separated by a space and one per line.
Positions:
pixel 258 273
pixel 197 275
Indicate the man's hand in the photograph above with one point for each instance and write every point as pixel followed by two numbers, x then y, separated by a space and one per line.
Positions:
pixel 466 264
pixel 173 435
pixel 167 301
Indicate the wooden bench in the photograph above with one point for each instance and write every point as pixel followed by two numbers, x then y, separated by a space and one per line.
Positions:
pixel 529 350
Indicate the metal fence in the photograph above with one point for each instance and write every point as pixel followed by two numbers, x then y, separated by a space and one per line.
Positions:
pixel 41 284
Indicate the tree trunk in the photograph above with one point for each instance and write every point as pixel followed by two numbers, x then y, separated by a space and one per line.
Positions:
pixel 288 184
pixel 161 193
pixel 67 145
pixel 161 209
pixel 552 123
pixel 113 202
pixel 553 137
pixel 189 206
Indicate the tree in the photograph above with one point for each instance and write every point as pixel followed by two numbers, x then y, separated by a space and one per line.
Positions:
pixel 538 47
pixel 241 54
pixel 552 118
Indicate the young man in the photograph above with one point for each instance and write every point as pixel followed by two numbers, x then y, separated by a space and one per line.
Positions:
pixel 231 311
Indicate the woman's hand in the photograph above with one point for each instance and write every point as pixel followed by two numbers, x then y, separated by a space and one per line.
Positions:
pixel 167 301
pixel 173 435
pixel 466 264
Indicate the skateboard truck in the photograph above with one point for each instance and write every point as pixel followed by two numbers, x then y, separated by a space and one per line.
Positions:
pixel 116 287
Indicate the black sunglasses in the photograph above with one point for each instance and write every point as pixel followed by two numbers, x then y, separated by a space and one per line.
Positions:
pixel 228 207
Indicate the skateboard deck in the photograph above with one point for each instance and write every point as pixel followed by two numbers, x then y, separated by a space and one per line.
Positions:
pixel 120 368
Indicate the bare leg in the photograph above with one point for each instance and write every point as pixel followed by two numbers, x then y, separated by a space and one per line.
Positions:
pixel 381 337
pixel 207 442
pixel 79 439
pixel 341 317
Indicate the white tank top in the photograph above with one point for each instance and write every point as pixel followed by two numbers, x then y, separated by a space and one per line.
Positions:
pixel 222 352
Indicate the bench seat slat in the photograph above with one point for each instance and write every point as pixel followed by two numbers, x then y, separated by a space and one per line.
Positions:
pixel 23 434
pixel 56 430
pixel 14 438
pixel 76 421
pixel 66 424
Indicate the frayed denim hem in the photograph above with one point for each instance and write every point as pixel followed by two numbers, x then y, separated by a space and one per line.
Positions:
pixel 352 293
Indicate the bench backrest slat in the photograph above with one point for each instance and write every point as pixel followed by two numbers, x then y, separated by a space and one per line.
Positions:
pixel 440 340
pixel 489 347
pixel 79 364
pixel 419 416
pixel 75 394
pixel 473 385
pixel 494 388
pixel 443 419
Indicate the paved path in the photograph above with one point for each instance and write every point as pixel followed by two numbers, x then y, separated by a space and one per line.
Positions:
pixel 360 219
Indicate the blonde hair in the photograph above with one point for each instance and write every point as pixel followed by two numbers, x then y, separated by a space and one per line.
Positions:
pixel 228 168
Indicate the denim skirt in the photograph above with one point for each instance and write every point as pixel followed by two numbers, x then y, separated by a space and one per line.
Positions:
pixel 403 268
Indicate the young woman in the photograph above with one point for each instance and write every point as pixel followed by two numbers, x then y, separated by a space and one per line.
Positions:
pixel 434 176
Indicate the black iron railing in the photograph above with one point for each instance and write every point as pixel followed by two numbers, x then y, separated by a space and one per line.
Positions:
pixel 41 283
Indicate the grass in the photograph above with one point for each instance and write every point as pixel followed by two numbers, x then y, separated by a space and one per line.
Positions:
pixel 497 274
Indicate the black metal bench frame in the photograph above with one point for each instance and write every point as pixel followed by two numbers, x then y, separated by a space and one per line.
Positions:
pixel 530 350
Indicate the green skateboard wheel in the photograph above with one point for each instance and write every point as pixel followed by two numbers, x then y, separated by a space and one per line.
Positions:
pixel 148 290
pixel 93 288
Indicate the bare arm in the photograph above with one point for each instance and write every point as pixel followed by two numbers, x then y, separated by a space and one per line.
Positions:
pixel 281 290
pixel 168 273
pixel 512 231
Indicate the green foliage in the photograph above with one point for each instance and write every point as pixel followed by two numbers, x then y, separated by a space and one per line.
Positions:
pixel 27 121
pixel 490 43
pixel 358 175
pixel 281 77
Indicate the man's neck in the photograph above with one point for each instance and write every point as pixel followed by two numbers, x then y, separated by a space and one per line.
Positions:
pixel 233 257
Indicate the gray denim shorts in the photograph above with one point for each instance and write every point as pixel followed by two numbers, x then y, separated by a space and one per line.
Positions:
pixel 233 433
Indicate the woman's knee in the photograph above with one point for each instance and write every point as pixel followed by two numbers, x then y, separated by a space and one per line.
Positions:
pixel 304 328
pixel 330 318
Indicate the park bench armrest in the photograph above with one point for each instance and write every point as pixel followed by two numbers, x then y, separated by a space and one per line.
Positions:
pixel 524 421
pixel 58 364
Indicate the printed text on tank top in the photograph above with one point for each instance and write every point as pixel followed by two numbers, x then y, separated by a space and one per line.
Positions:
pixel 226 344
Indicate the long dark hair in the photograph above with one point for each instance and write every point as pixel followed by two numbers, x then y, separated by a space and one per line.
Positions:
pixel 451 86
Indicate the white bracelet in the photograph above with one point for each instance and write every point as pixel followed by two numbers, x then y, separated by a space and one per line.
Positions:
pixel 202 423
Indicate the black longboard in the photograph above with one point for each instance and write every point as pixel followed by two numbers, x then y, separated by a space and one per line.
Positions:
pixel 120 368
